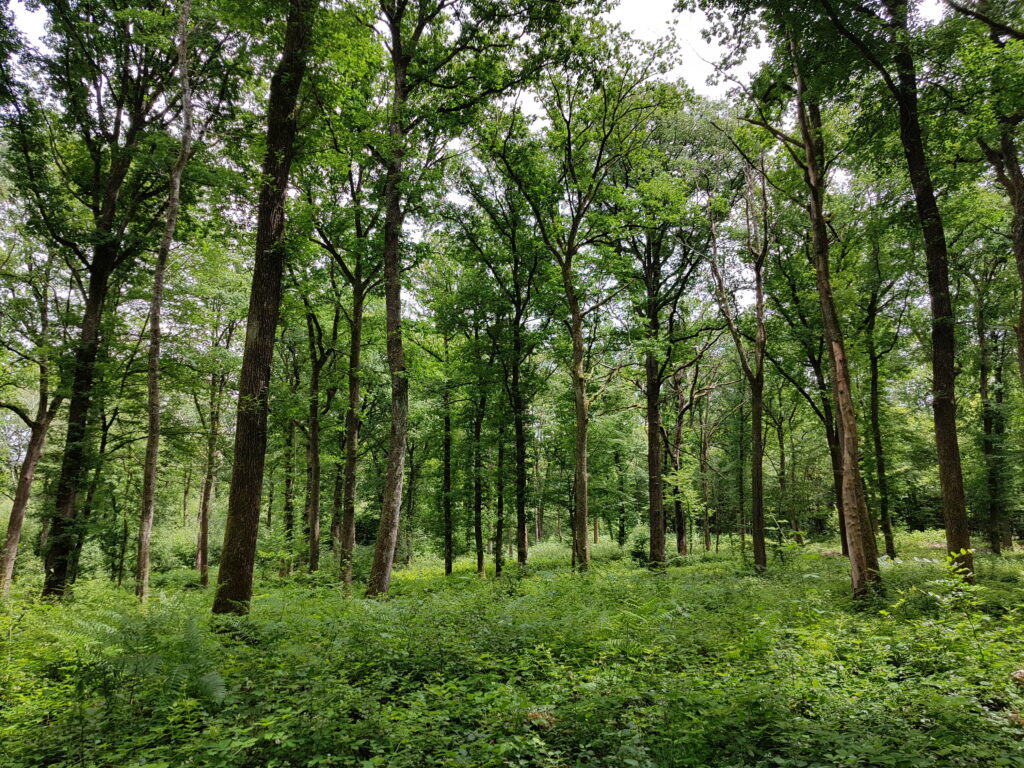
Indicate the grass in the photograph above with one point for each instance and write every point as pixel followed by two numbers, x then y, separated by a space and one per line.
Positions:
pixel 701 665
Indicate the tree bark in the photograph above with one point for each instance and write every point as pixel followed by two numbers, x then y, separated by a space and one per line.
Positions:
pixel 234 581
pixel 209 476
pixel 26 474
pixel 905 90
pixel 155 305
pixel 66 528
pixel 655 487
pixel 499 529
pixel 881 474
pixel 352 426
pixel 391 507
pixel 446 475
pixel 478 482
pixel 863 553
pixel 581 544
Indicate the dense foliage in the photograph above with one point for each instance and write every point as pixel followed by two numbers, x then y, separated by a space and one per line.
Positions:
pixel 449 382
pixel 703 664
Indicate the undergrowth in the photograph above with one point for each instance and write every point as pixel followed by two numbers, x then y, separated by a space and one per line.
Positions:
pixel 703 664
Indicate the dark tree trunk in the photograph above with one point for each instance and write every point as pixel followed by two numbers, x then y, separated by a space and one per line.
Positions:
pixel 519 429
pixel 234 580
pixel 66 528
pixel 581 544
pixel 352 426
pixel 499 529
pixel 757 473
pixel 478 482
pixel 209 475
pixel 905 89
pixel 655 488
pixel 621 473
pixel 881 475
pixel 318 357
pixel 446 477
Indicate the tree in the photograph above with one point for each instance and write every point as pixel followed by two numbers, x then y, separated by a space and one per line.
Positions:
pixel 440 73
pixel 598 116
pixel 234 579
pixel 153 358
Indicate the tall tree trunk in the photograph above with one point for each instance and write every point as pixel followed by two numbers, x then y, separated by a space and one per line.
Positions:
pixel 499 530
pixel 26 474
pixel 478 482
pixel 203 547
pixel 860 539
pixel 387 534
pixel 757 473
pixel 881 474
pixel 905 89
pixel 155 305
pixel 289 491
pixel 539 477
pixel 446 476
pixel 620 472
pixel 410 501
pixel 352 425
pixel 234 580
pixel 519 429
pixel 66 529
pixel 705 476
pixel 313 469
pixel 338 502
pixel 581 544
pixel 655 487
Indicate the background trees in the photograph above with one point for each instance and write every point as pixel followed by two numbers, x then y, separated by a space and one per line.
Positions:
pixel 511 285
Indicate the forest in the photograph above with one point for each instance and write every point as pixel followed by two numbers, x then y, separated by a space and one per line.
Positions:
pixel 463 383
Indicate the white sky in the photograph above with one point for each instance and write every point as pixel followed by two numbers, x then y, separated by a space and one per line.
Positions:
pixel 646 19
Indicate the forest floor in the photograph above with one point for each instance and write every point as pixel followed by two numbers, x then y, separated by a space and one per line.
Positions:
pixel 701 665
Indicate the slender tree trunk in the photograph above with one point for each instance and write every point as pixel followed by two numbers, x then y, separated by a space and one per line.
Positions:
pixel 21 496
pixel 860 539
pixel 185 492
pixel 289 491
pixel 876 438
pixel 539 476
pixel 499 529
pixel 478 482
pixel 203 548
pixel 581 545
pixel 757 473
pixel 155 305
pixel 352 426
pixel 655 487
pixel 337 502
pixel 410 502
pixel 234 580
pixel 446 477
pixel 705 476
pixel 519 429
pixel 313 470
pixel 620 472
